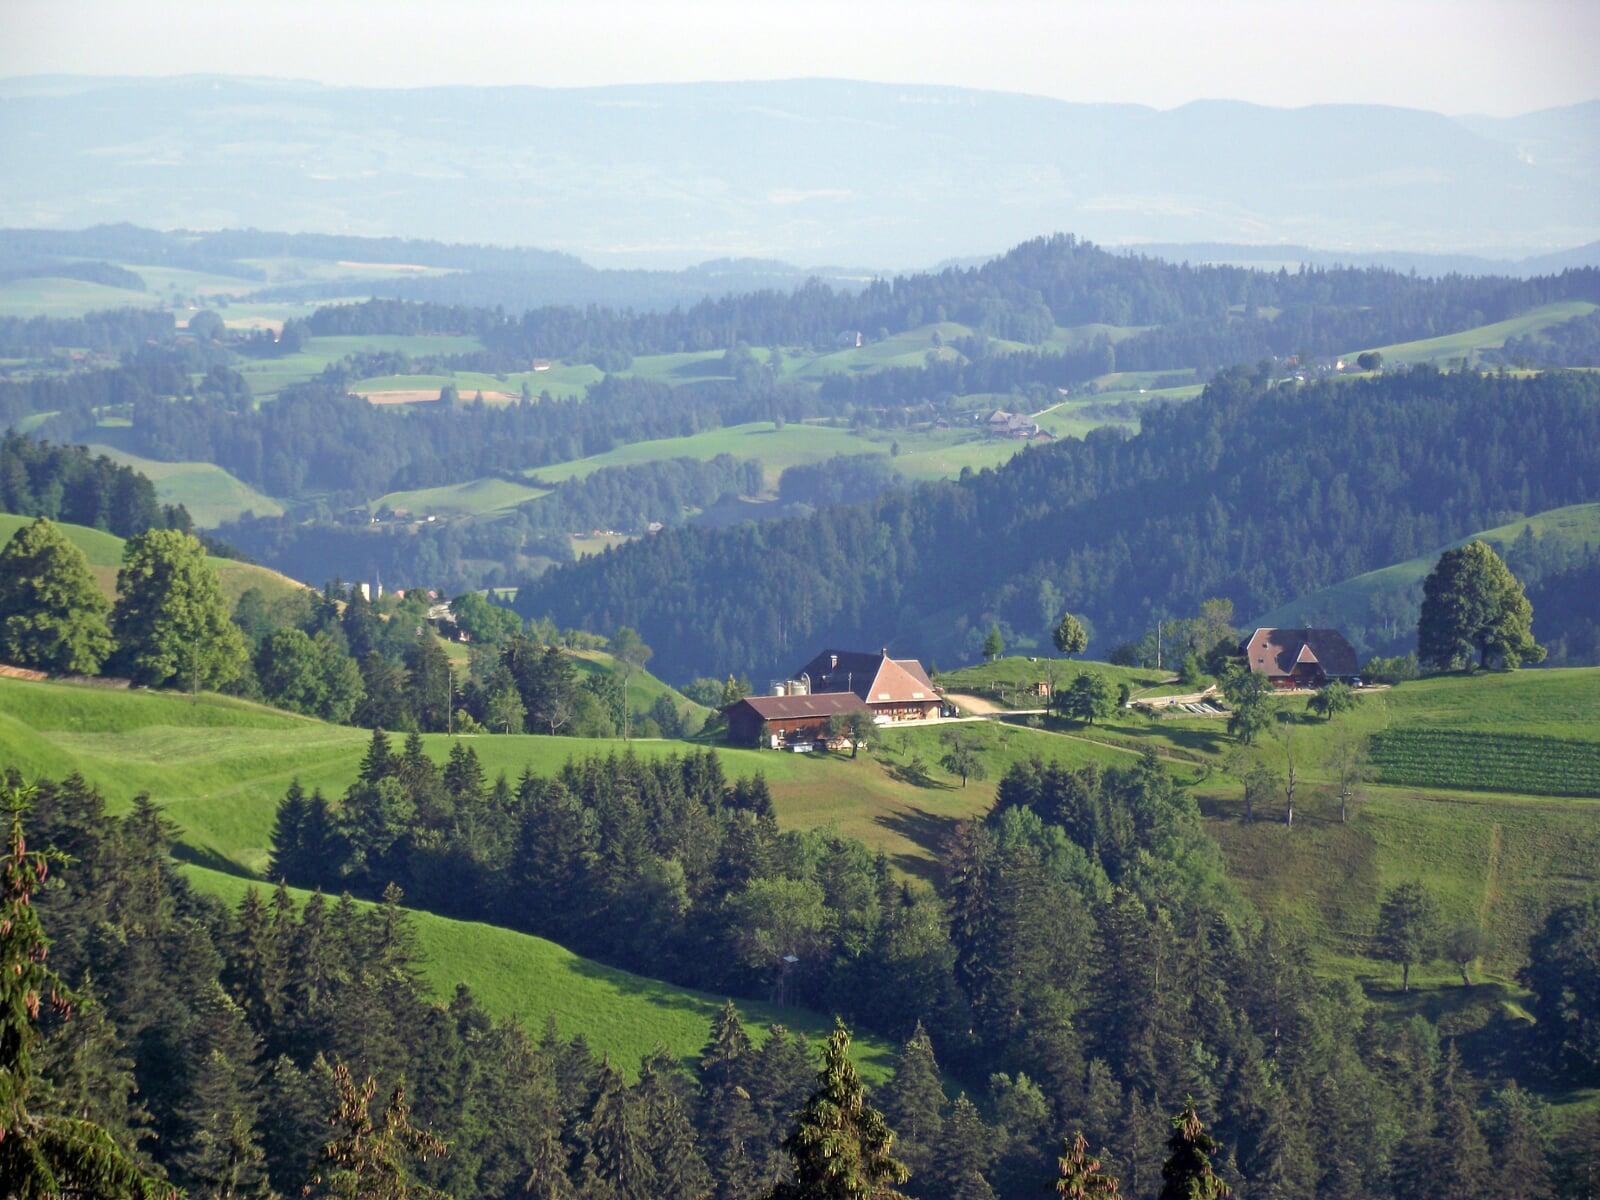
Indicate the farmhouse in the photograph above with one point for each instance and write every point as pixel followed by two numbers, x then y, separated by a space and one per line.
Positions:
pixel 1299 658
pixel 831 684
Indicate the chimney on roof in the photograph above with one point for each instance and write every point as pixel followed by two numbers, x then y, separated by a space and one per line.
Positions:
pixel 833 662
pixel 886 652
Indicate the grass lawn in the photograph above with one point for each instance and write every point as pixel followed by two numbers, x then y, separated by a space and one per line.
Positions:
pixel 1467 343
pixel 211 495
pixel 517 976
pixel 1006 679
pixel 104 552
pixel 644 689
pixel 1352 601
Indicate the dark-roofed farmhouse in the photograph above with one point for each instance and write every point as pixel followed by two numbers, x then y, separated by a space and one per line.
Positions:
pixel 833 683
pixel 1300 658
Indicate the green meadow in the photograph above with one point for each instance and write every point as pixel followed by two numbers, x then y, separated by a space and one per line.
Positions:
pixel 104 552
pixel 517 976
pixel 476 497
pixel 1351 601
pixel 51 296
pixel 1467 343
pixel 211 495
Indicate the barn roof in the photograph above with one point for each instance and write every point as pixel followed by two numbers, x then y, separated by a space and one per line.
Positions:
pixel 873 677
pixel 1275 652
pixel 824 704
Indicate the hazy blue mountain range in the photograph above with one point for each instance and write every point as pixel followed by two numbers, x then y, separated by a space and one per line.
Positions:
pixel 808 171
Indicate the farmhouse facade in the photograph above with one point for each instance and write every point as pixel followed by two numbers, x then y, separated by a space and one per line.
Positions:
pixel 833 683
pixel 1299 658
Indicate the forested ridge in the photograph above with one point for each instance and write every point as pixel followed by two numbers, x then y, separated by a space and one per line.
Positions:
pixel 1252 492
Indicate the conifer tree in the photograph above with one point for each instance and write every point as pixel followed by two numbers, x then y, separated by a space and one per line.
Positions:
pixel 1187 1174
pixel 253 972
pixel 842 1147
pixel 52 616
pixel 221 1155
pixel 43 1156
pixel 670 1141
pixel 729 1120
pixel 365 1160
pixel 288 835
pixel 962 1156
pixel 547 1177
pixel 1079 1176
pixel 379 759
pixel 1520 1142
pixel 914 1102
pixel 1461 1166
pixel 614 1163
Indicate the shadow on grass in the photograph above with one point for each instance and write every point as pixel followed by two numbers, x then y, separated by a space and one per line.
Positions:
pixel 929 831
pixel 212 861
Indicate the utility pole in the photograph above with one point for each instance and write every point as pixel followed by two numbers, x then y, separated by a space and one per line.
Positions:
pixel 1158 645
pixel 449 699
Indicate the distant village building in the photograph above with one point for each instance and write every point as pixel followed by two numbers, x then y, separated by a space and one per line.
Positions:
pixel 833 683
pixel 849 339
pixel 1300 658
pixel 541 364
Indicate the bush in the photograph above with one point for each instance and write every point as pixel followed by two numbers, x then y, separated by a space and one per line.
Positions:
pixel 1397 669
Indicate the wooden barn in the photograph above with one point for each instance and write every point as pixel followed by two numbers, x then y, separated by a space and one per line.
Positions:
pixel 788 720
pixel 1300 658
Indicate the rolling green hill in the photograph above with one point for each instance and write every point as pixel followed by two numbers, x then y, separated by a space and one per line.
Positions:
pixel 1467 343
pixel 53 296
pixel 517 976
pixel 104 552
pixel 474 498
pixel 1355 601
pixel 211 495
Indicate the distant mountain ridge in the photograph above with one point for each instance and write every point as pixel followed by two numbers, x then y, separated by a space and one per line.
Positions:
pixel 804 170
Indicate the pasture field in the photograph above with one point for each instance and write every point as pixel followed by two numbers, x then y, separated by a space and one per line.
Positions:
pixel 1466 343
pixel 908 349
pixel 1352 601
pixel 211 495
pixel 53 296
pixel 268 376
pixel 1005 680
pixel 644 689
pixel 474 498
pixel 585 544
pixel 1489 762
pixel 561 381
pixel 934 454
pixel 104 552
pixel 219 766
pixel 517 976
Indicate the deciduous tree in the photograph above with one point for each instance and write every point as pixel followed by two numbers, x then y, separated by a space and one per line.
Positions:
pixel 52 616
pixel 1472 605
pixel 1408 922
pixel 170 621
pixel 1070 637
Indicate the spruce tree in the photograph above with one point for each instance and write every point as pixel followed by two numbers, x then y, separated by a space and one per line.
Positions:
pixel 367 1160
pixel 52 616
pixel 728 1116
pixel 288 836
pixel 842 1147
pixel 670 1141
pixel 961 1156
pixel 1079 1176
pixel 43 1155
pixel 1462 1166
pixel 221 1153
pixel 614 1163
pixel 379 760
pixel 1187 1174
pixel 914 1102
pixel 1520 1142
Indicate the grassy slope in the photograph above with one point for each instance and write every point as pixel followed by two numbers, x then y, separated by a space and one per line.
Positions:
pixel 1351 600
pixel 211 495
pixel 518 976
pixel 50 296
pixel 267 376
pixel 1467 342
pixel 104 552
pixel 644 689
pixel 473 498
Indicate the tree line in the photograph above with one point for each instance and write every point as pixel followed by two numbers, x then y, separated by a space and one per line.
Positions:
pixel 1202 503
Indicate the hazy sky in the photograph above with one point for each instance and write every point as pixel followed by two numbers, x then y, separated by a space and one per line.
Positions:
pixel 1458 56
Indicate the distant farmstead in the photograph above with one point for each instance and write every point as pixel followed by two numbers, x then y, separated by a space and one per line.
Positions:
pixel 1300 658
pixel 834 683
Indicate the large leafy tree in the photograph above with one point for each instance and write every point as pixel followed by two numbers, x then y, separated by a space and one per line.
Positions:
pixel 170 620
pixel 842 1147
pixel 43 1156
pixel 1472 605
pixel 1188 1174
pixel 52 617
pixel 1247 694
